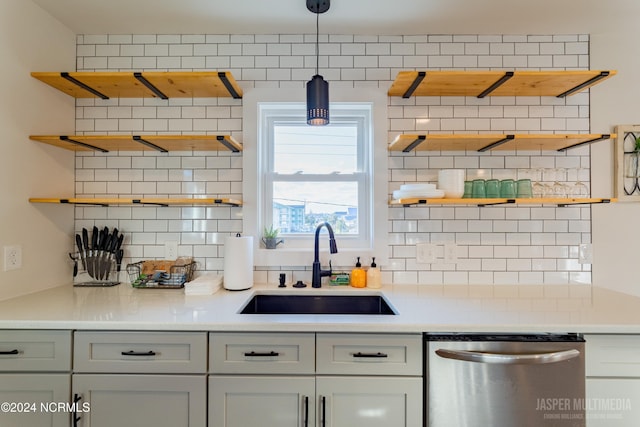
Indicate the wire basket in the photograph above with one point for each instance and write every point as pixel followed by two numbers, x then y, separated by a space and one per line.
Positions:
pixel 161 274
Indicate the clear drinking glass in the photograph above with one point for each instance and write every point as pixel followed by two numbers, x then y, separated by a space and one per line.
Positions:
pixel 559 189
pixel 537 187
pixel 580 189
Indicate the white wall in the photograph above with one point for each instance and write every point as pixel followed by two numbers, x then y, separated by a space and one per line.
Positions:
pixel 616 230
pixel 31 40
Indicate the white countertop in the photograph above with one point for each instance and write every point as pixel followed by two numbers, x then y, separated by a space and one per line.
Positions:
pixel 422 308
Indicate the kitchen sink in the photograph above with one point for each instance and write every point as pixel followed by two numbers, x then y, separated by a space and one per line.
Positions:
pixel 317 304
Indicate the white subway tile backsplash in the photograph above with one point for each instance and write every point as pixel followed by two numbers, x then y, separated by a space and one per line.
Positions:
pixel 496 244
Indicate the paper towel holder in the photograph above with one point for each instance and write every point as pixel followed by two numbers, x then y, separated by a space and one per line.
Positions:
pixel 238 263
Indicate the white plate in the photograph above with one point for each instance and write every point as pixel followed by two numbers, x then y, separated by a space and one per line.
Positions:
pixel 434 194
pixel 418 187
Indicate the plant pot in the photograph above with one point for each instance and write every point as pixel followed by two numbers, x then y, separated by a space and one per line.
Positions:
pixel 271 242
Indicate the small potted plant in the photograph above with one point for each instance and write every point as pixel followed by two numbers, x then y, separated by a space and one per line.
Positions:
pixel 270 237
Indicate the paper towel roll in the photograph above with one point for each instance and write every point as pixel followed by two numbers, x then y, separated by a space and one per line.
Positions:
pixel 238 263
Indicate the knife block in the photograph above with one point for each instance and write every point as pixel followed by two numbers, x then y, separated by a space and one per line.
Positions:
pixel 94 271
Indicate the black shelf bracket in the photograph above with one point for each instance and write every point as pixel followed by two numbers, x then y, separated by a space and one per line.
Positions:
pixel 67 202
pixel 591 141
pixel 591 81
pixel 419 140
pixel 224 141
pixel 138 138
pixel 225 81
pixel 493 145
pixel 65 138
pixel 419 202
pixel 65 75
pixel 421 75
pixel 222 202
pixel 497 84
pixel 142 202
pixel 601 201
pixel 149 86
pixel 506 202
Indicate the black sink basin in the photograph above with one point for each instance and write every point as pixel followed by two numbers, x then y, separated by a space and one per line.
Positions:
pixel 317 304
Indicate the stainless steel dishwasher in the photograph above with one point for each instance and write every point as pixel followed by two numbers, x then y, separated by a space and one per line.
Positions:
pixel 525 380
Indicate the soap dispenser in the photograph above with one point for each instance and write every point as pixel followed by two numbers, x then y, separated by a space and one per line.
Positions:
pixel 373 275
pixel 358 276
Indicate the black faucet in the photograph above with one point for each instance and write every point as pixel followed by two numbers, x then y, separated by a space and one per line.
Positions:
pixel 318 272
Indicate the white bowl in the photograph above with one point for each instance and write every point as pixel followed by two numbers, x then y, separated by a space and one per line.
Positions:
pixel 452 182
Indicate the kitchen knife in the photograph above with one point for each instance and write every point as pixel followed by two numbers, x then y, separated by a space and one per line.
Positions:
pixel 85 244
pixel 81 251
pixel 110 258
pixel 119 252
pixel 91 263
pixel 119 256
pixel 75 263
pixel 105 252
pixel 102 238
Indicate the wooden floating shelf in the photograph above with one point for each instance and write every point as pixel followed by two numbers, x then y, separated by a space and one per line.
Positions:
pixel 162 143
pixel 500 201
pixel 156 84
pixel 144 201
pixel 480 143
pixel 495 83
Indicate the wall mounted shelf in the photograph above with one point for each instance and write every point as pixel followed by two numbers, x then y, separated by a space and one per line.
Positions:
pixel 500 201
pixel 495 83
pixel 168 84
pixel 162 143
pixel 143 201
pixel 482 142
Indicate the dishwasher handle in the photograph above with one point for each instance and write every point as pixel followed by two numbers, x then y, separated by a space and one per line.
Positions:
pixel 508 359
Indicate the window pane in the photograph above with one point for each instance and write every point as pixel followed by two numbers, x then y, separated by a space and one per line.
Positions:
pixel 315 149
pixel 298 207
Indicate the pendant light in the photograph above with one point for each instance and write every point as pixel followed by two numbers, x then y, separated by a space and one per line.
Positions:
pixel 317 87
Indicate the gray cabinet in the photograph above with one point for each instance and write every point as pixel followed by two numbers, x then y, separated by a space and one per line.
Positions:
pixel 613 380
pixel 154 379
pixel 33 399
pixel 369 401
pixel 261 400
pixel 141 400
pixel 35 378
pixel 347 380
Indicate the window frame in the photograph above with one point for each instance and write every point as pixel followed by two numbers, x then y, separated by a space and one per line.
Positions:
pixel 254 197
pixel 295 114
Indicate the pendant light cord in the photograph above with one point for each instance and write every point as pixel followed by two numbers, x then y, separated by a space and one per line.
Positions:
pixel 317 40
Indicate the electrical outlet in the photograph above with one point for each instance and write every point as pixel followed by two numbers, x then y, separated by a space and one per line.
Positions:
pixel 12 257
pixel 425 253
pixel 450 253
pixel 171 250
pixel 585 254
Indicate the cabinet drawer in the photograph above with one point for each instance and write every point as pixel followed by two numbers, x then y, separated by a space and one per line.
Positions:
pixel 140 352
pixel 29 350
pixel 369 354
pixel 261 353
pixel 612 355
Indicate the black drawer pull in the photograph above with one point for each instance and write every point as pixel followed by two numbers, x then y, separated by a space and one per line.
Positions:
pixel 254 354
pixel 138 353
pixel 370 355
pixel 14 351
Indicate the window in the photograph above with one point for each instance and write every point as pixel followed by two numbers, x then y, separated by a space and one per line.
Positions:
pixel 315 174
pixel 300 176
